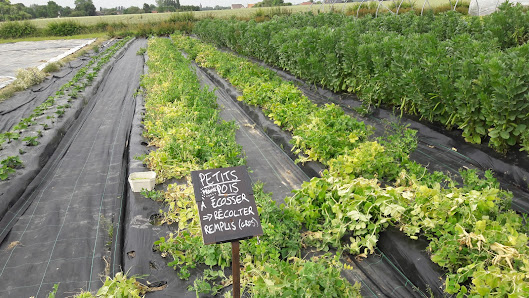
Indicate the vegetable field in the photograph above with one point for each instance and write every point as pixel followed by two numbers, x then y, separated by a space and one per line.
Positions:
pixel 347 206
pixel 463 73
pixel 343 210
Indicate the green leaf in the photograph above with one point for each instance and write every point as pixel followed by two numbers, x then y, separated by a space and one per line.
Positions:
pixel 505 135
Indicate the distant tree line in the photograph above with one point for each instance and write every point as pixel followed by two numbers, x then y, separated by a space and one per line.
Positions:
pixel 17 12
pixel 270 3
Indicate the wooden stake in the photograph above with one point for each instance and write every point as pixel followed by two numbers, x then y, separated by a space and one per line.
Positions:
pixel 236 269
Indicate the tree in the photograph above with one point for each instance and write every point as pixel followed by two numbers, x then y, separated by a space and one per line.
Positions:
pixel 85 7
pixel 52 9
pixel 39 11
pixel 146 8
pixel 168 3
pixel 66 11
pixel 269 3
pixel 132 10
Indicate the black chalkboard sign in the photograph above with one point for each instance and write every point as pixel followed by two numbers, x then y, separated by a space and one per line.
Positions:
pixel 226 204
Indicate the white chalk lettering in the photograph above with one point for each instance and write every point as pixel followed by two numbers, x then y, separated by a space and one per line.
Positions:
pixel 248 223
pixel 219 177
pixel 229 200
pixel 232 213
pixel 227 188
pixel 220 227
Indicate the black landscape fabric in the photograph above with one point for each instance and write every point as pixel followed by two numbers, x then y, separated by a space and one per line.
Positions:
pixel 61 234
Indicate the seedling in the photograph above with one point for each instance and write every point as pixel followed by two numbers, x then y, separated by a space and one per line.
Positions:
pixel 59 112
pixel 11 136
pixel 5 171
pixel 31 141
pixel 73 94
pixel 12 162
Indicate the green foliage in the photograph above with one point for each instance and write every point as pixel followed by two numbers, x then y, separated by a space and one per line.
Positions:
pixel 464 73
pixel 141 51
pixel 182 17
pixel 12 12
pixel 85 8
pixel 183 119
pixel 54 291
pixel 65 28
pixel 470 228
pixel 31 141
pixel 272 263
pixel 176 110
pixel 8 166
pixel 10 136
pixel 270 3
pixel 325 133
pixel 52 67
pixel 17 29
pixel 119 286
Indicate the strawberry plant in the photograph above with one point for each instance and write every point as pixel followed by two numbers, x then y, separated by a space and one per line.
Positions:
pixel 10 136
pixel 9 165
pixel 31 141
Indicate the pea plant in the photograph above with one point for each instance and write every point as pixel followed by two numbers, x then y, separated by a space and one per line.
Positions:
pixel 178 109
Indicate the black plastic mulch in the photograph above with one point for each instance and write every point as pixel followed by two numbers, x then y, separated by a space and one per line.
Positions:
pixel 63 227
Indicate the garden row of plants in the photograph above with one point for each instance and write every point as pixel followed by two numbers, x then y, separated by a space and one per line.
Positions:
pixel 473 233
pixel 44 116
pixel 182 120
pixel 461 72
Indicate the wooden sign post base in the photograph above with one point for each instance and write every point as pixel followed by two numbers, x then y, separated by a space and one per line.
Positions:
pixel 236 269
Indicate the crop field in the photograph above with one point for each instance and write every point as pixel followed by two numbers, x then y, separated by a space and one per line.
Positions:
pixel 133 19
pixel 388 157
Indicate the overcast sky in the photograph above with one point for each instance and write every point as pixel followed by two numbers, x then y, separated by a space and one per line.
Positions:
pixel 139 3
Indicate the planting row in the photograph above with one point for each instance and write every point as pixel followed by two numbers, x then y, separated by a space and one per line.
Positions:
pixel 472 233
pixel 44 116
pixel 183 122
pixel 460 72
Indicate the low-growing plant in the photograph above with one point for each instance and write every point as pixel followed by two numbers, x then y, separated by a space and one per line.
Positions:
pixel 17 29
pixel 13 162
pixel 31 141
pixel 53 292
pixel 28 77
pixel 52 67
pixel 141 51
pixel 119 286
pixel 10 136
pixel 65 28
pixel 9 165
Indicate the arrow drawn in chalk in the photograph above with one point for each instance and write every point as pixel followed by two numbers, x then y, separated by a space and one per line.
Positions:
pixel 207 217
